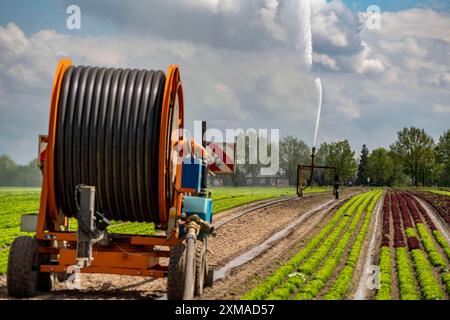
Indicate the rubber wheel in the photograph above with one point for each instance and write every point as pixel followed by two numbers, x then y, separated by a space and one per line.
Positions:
pixel 44 283
pixel 176 272
pixel 61 276
pixel 209 276
pixel 200 267
pixel 23 277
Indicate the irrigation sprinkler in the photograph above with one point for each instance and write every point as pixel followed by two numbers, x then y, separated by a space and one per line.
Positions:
pixel 301 173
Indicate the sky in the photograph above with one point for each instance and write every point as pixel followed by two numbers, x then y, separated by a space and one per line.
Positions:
pixel 242 63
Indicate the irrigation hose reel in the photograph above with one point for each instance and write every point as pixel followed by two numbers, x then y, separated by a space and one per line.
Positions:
pixel 113 154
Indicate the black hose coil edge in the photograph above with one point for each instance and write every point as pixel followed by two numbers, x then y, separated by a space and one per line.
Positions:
pixel 107 136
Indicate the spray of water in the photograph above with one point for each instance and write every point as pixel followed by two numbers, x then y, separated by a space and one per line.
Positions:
pixel 319 108
pixel 305 25
pixel 305 13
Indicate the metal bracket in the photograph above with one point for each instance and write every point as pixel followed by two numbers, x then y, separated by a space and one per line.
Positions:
pixel 91 226
pixel 196 223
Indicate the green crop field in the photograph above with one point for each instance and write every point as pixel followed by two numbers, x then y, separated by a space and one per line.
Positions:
pixel 16 201
pixel 441 192
pixel 310 271
pixel 413 256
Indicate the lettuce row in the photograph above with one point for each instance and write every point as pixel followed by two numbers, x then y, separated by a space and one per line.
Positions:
pixel 442 242
pixel 406 280
pixel 293 283
pixel 430 287
pixel 436 258
pixel 384 291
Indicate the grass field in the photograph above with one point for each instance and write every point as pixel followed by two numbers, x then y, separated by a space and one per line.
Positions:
pixel 16 201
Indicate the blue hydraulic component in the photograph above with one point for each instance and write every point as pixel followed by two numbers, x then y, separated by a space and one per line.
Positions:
pixel 200 206
pixel 191 176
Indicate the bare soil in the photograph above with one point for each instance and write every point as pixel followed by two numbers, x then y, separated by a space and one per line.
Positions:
pixel 369 256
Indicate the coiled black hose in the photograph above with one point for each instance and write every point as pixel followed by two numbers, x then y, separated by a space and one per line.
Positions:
pixel 107 136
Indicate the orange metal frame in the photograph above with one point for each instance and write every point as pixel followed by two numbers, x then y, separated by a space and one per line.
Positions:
pixel 136 255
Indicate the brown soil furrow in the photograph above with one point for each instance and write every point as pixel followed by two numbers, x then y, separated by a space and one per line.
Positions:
pixel 369 255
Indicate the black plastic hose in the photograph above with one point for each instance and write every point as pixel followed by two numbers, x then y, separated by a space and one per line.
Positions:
pixel 107 136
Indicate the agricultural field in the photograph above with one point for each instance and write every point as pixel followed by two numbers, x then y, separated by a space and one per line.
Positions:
pixel 414 258
pixel 409 230
pixel 439 201
pixel 324 267
pixel 412 252
pixel 227 198
pixel 441 192
pixel 16 201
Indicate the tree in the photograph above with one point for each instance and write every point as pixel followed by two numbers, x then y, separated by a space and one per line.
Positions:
pixel 414 148
pixel 238 178
pixel 28 175
pixel 322 176
pixel 362 167
pixel 398 177
pixel 13 175
pixel 380 167
pixel 249 142
pixel 293 152
pixel 342 157
pixel 443 158
pixel 8 169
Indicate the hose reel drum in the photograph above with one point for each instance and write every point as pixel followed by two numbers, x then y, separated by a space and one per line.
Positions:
pixel 113 129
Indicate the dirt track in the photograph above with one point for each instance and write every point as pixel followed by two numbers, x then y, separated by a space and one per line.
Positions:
pixel 232 240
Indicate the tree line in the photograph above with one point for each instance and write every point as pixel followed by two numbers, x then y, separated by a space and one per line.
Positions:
pixel 14 175
pixel 413 159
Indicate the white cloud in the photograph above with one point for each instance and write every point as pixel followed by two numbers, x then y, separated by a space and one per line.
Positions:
pixel 241 65
pixel 326 61
pixel 366 64
pixel 416 23
pixel 228 88
pixel 441 109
